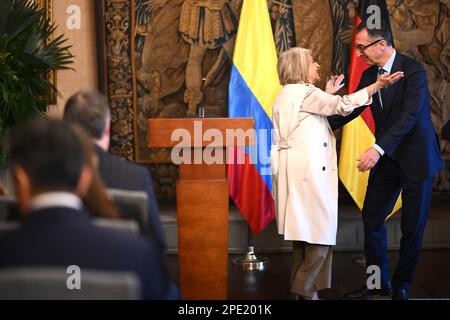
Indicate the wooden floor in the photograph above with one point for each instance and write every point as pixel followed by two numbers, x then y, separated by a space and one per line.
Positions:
pixel 432 278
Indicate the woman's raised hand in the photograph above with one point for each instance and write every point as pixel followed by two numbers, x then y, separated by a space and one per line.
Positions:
pixel 334 84
pixel 383 81
pixel 388 79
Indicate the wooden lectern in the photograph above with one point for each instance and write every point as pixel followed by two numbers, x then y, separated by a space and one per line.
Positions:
pixel 202 198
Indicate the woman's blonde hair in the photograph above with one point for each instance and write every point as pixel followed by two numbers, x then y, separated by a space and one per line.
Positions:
pixel 293 66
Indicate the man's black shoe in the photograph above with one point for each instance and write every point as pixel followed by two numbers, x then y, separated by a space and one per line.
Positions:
pixel 367 294
pixel 400 294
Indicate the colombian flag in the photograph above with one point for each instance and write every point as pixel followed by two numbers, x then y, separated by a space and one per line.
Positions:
pixel 253 87
pixel 359 134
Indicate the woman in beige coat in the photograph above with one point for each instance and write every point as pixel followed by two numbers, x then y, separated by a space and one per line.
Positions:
pixel 304 165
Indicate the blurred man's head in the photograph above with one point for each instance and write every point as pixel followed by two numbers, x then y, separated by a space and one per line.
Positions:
pixel 90 109
pixel 47 156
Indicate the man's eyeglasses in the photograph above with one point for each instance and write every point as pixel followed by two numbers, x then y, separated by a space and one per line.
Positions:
pixel 362 48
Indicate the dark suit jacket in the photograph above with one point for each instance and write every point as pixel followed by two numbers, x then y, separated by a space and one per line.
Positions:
pixel 403 127
pixel 63 236
pixel 120 174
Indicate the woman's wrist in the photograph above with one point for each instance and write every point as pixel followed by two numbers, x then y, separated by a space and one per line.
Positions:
pixel 373 88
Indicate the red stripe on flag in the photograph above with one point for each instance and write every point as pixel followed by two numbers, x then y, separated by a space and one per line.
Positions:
pixel 246 182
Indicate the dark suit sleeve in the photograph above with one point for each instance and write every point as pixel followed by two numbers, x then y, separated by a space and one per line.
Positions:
pixel 154 216
pixel 414 96
pixel 155 277
pixel 337 121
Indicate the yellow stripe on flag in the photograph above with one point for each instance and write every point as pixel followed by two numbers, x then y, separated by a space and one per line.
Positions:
pixel 255 55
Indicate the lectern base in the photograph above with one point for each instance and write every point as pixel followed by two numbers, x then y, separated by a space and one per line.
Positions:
pixel 202 216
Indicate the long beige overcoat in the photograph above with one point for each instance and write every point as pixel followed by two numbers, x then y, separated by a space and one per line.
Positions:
pixel 303 161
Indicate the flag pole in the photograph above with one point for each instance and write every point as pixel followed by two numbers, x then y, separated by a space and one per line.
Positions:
pixel 249 261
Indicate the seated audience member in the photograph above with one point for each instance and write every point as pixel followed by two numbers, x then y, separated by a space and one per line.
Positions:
pixel 96 199
pixel 51 174
pixel 91 110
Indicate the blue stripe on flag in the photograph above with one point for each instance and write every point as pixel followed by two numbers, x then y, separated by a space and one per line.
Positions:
pixel 242 104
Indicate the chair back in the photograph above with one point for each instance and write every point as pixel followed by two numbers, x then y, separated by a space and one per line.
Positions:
pixel 57 283
pixel 133 205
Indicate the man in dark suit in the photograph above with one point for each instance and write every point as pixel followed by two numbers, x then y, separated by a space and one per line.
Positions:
pixel 404 158
pixel 90 109
pixel 50 174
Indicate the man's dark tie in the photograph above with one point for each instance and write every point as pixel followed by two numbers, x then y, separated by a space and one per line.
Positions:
pixel 382 91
